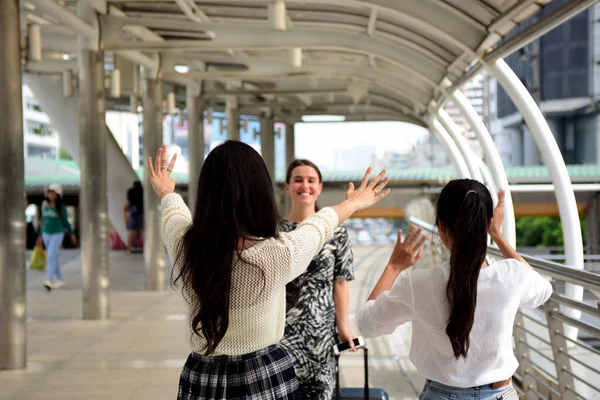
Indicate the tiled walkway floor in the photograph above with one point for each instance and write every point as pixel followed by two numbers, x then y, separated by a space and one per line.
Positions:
pixel 139 352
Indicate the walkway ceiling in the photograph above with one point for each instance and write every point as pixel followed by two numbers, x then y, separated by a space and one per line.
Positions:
pixel 367 60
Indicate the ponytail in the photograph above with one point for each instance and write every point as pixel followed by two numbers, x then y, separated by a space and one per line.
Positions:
pixel 467 228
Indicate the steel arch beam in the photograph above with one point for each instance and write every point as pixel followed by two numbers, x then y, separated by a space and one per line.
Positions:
pixel 420 20
pixel 565 196
pixel 457 158
pixel 407 102
pixel 462 144
pixel 236 36
pixel 493 160
pixel 264 65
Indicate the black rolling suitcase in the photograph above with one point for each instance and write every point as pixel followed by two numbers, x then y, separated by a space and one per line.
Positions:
pixel 365 392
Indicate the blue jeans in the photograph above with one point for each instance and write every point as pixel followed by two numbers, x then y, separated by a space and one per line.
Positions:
pixel 53 243
pixel 437 391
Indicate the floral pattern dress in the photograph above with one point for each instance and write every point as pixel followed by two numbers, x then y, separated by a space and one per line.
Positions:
pixel 310 331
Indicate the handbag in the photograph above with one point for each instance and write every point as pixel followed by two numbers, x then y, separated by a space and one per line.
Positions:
pixel 37 260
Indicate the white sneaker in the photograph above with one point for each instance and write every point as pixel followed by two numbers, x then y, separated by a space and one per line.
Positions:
pixel 48 285
pixel 58 284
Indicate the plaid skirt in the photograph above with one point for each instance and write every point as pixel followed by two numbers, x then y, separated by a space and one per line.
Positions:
pixel 267 374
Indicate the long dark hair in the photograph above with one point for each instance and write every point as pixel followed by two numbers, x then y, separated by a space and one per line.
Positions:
pixel 235 201
pixel 292 289
pixel 464 208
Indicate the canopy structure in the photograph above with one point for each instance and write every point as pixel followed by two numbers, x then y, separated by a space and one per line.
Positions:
pixel 366 60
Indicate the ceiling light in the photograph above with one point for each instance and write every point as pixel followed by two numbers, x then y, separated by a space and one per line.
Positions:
pixel 182 69
pixel 323 118
pixel 66 57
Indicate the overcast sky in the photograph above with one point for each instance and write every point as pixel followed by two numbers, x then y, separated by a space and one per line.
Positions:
pixel 318 141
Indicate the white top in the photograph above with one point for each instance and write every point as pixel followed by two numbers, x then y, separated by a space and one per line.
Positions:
pixel 419 297
pixel 257 303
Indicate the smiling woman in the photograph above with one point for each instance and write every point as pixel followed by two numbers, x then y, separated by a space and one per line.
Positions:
pixel 317 300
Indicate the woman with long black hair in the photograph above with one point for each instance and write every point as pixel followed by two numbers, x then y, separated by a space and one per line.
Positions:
pixel 462 312
pixel 233 266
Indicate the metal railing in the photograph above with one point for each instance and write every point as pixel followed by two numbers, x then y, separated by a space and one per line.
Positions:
pixel 555 361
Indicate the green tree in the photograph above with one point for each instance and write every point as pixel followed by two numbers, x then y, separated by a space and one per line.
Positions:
pixel 542 231
pixel 63 154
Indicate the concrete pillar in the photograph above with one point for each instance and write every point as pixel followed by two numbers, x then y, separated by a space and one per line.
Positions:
pixel 154 251
pixel 530 150
pixel 233 124
pixel 195 106
pixel 290 143
pixel 267 144
pixel 593 224
pixel 93 187
pixel 13 333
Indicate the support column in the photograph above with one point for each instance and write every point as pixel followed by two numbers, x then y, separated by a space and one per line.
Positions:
pixel 195 106
pixel 93 200
pixel 462 144
pixel 290 143
pixel 493 160
pixel 13 332
pixel 233 120
pixel 565 196
pixel 457 159
pixel 154 251
pixel 267 144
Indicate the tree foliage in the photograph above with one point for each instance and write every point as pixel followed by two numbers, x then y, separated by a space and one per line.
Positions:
pixel 542 232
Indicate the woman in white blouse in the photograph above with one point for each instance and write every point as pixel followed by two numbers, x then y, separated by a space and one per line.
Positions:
pixel 462 312
pixel 233 266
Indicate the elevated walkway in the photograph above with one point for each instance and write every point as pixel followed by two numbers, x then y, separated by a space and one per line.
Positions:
pixel 139 352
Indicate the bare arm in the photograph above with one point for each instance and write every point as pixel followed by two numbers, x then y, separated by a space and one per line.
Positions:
pixel 496 233
pixel 341 298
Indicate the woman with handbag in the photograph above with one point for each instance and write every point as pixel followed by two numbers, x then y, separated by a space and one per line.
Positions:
pixel 233 266
pixel 55 222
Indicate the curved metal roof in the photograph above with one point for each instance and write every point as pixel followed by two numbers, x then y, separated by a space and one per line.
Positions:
pixel 367 60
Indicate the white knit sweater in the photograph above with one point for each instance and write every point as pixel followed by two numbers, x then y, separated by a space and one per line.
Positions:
pixel 257 303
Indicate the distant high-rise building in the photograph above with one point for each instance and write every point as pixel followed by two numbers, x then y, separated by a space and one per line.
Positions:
pixel 40 140
pixel 562 72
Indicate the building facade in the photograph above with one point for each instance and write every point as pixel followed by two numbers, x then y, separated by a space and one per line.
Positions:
pixel 40 139
pixel 561 72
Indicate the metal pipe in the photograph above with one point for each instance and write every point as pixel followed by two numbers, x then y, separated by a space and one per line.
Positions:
pixel 546 143
pixel 267 144
pixel 462 144
pixel 93 188
pixel 13 331
pixel 195 106
pixel 455 156
pixel 493 160
pixel 154 253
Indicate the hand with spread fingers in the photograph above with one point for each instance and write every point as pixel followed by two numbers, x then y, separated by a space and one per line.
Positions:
pixel 408 252
pixel 368 193
pixel 160 172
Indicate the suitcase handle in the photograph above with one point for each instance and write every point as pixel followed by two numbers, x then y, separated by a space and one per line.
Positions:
pixel 366 368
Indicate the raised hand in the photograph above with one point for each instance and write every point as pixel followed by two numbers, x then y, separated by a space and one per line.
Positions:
pixel 368 193
pixel 160 173
pixel 406 253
